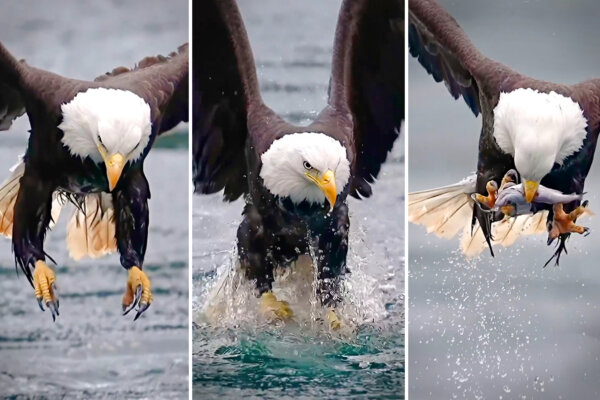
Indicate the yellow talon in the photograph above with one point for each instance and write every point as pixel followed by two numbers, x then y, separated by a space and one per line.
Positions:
pixel 334 320
pixel 489 200
pixel 137 292
pixel 564 223
pixel 44 285
pixel 508 211
pixel 269 305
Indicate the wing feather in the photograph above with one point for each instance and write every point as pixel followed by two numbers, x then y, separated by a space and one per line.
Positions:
pixel 162 82
pixel 368 83
pixel 225 84
pixel 91 229
pixel 447 54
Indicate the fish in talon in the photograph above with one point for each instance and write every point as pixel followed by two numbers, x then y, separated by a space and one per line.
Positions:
pixel 512 202
pixel 511 177
pixel 544 131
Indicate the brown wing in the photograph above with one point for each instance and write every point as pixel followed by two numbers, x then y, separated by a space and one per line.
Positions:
pixel 162 82
pixel 12 103
pixel 23 86
pixel 368 82
pixel 445 51
pixel 225 92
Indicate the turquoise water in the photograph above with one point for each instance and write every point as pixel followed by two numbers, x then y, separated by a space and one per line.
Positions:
pixel 283 361
pixel 236 352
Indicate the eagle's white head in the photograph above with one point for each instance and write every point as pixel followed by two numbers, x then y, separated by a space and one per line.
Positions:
pixel 109 126
pixel 306 166
pixel 538 130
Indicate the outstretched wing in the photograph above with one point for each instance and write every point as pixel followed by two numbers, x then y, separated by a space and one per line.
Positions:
pixel 162 82
pixel 368 82
pixel 225 92
pixel 12 103
pixel 445 51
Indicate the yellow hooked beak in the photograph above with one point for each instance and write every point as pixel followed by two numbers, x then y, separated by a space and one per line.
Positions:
pixel 531 188
pixel 114 168
pixel 327 185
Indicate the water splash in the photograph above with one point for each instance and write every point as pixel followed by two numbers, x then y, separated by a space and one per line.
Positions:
pixel 228 299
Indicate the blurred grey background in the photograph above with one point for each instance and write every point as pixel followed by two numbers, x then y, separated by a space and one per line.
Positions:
pixel 92 351
pixel 502 327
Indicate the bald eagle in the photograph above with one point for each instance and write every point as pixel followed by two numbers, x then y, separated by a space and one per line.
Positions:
pixel 87 145
pixel 296 179
pixel 546 131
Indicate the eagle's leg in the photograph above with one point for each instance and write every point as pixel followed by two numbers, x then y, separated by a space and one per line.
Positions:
pixel 331 261
pixel 130 198
pixel 492 193
pixel 254 242
pixel 563 223
pixel 273 308
pixel 32 216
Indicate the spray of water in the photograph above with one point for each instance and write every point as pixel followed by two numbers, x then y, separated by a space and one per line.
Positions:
pixel 228 299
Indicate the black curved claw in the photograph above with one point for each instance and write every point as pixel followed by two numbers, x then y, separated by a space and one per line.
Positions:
pixel 143 307
pixel 486 219
pixel 586 231
pixel 136 299
pixel 55 293
pixel 487 232
pixel 53 309
pixel 40 303
pixel 560 247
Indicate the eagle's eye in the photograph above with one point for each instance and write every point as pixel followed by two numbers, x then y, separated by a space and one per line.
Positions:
pixel 307 165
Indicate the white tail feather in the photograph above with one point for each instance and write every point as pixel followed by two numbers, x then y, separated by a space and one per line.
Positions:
pixel 91 229
pixel 90 232
pixel 8 197
pixel 472 245
pixel 505 233
pixel 445 211
pixel 58 202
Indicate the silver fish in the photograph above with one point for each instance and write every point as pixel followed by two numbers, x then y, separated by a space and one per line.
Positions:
pixel 513 195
